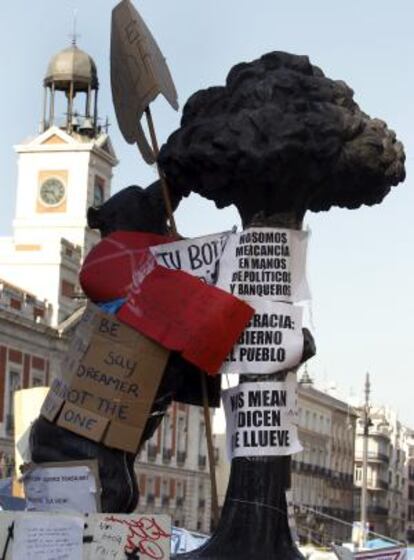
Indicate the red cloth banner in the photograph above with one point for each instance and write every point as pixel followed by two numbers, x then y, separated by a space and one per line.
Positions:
pixel 108 269
pixel 184 314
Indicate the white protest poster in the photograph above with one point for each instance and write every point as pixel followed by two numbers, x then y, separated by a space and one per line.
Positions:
pixel 148 536
pixel 63 488
pixel 109 540
pixel 48 537
pixel 272 341
pixel 261 418
pixel 199 257
pixel 265 263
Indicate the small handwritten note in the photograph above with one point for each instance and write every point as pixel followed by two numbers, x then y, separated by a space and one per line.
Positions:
pixel 43 537
pixel 109 541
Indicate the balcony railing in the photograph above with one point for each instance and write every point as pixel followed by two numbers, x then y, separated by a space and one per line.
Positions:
pixel 374 456
pixel 377 510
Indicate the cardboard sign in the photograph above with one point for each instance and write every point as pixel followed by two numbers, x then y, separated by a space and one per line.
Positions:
pixel 47 537
pixel 260 418
pixel 272 341
pixel 52 487
pixel 138 74
pixel 265 263
pixel 109 379
pixel 199 257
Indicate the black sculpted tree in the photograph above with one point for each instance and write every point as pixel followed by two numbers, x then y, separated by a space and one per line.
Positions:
pixel 280 138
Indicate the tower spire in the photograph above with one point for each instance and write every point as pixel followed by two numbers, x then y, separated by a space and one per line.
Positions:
pixel 74 35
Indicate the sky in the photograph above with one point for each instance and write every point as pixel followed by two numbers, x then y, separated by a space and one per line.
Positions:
pixel 360 262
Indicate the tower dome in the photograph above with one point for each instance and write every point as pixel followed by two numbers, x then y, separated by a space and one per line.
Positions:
pixel 72 65
pixel 72 71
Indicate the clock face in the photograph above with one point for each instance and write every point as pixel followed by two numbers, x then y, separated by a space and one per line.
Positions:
pixel 52 191
pixel 98 196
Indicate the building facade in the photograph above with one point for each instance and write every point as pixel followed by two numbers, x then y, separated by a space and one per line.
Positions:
pixel 322 474
pixel 173 470
pixel 409 494
pixel 387 473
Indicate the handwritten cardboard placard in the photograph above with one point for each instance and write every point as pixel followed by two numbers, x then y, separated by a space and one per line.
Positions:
pixel 108 381
pixel 65 487
pixel 199 256
pixel 272 341
pixel 265 263
pixel 261 418
pixel 47 537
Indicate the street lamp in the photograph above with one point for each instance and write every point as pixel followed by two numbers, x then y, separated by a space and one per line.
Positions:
pixel 364 487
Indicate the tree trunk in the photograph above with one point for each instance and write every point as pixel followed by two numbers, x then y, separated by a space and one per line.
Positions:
pixel 254 520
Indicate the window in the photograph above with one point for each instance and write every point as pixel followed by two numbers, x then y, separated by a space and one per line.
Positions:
pixel 67 289
pixel 182 436
pixel 38 379
pixel 13 384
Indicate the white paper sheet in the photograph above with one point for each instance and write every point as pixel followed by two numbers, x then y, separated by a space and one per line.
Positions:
pixel 265 263
pixel 67 489
pixel 273 340
pixel 261 418
pixel 47 537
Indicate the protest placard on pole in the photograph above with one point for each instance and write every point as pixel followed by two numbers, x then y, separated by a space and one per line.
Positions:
pixel 261 418
pixel 265 263
pixel 272 341
pixel 139 73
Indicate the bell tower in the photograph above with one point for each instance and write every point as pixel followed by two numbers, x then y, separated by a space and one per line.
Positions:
pixel 62 170
pixel 68 166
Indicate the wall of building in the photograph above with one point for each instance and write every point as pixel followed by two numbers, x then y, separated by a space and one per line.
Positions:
pixel 173 470
pixel 29 357
pixel 322 474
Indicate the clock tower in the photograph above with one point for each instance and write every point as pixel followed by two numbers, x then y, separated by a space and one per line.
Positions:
pixel 62 171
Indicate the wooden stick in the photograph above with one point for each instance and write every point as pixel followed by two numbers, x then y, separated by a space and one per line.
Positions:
pixel 209 434
pixel 210 450
pixel 165 192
